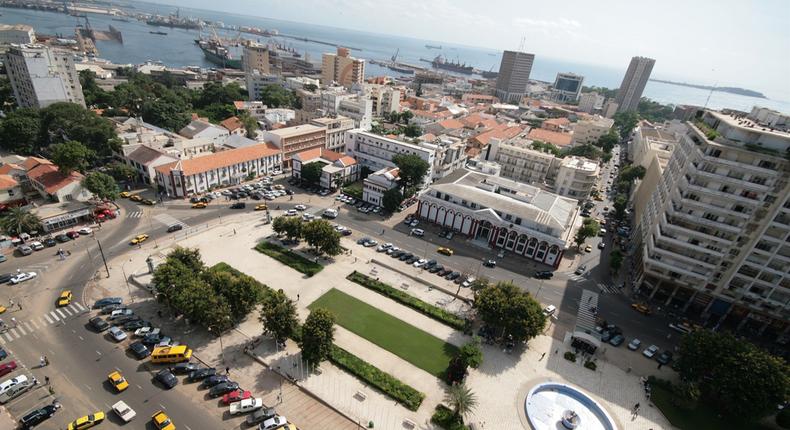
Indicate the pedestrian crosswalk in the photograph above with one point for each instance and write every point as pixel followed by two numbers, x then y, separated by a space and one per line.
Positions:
pixel 608 289
pixel 15 330
pixel 134 214
pixel 169 220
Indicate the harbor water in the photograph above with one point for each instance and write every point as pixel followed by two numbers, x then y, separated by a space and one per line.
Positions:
pixel 178 49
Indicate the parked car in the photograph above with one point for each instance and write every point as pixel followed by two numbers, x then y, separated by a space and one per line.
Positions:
pixel 185 368
pixel 446 251
pixel 273 423
pixel 580 270
pixel 87 421
pixel 617 340
pixel 98 324
pixel 245 406
pixel 238 205
pixel 62 238
pixel 175 227
pixel 106 310
pixel 72 234
pixel 634 344
pixel 25 250
pixel 664 358
pixel 235 396
pixel 650 351
pixel 7 368
pixel 214 380
pixel 545 274
pixel 117 334
pixel 50 242
pixel 38 416
pixel 107 301
pixel 139 350
pixel 549 310
pixel 223 388
pixel 85 231
pixel 489 263
pixel 36 245
pixel 201 374
pixel 418 232
pixel 166 378
pixel 260 415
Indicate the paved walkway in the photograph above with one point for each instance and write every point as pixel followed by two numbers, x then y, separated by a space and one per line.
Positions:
pixel 500 384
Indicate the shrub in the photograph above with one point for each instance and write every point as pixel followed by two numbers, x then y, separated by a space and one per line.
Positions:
pixel 570 356
pixel 418 305
pixel 444 418
pixel 289 258
pixel 783 418
pixel 388 384
pixel 590 365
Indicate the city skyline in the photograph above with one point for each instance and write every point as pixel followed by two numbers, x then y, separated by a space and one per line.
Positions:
pixel 696 50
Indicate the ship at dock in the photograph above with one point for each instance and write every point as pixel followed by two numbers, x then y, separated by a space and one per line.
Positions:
pixel 217 54
pixel 175 21
pixel 433 46
pixel 453 66
pixel 394 65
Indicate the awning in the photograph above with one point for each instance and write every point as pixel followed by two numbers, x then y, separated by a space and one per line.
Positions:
pixel 592 340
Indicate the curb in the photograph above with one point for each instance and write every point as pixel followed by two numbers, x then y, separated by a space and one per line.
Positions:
pixel 422 281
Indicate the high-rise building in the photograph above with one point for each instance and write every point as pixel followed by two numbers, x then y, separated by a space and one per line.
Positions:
pixel 590 102
pixel 633 84
pixel 514 70
pixel 567 87
pixel 19 33
pixel 714 238
pixel 342 68
pixel 256 57
pixel 41 76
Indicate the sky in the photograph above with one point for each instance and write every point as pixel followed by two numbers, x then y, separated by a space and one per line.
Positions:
pixel 742 43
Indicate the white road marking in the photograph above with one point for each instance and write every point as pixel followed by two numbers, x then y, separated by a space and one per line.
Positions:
pixel 8 337
pixel 46 317
pixel 163 407
pixel 88 387
pixel 66 310
pixel 29 327
pixel 35 325
pixel 2 341
pixel 98 352
pixel 138 386
pixel 80 337
pixel 14 333
pixel 54 316
pixel 57 311
pixel 79 307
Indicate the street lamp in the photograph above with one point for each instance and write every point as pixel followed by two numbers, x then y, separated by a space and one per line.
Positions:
pixel 126 279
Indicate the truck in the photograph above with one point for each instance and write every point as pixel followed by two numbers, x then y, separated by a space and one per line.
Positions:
pixel 246 405
pixel 124 411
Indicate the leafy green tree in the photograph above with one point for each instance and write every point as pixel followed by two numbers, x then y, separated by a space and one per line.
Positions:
pixel 277 96
pixel 121 171
pixel 190 257
pixel 278 315
pixel 292 227
pixel 278 225
pixel 608 141
pixel 631 172
pixel 405 116
pixel 510 311
pixel 311 87
pixel 169 112
pixel 101 185
pixel 412 130
pixel 736 378
pixel 322 236
pixel 461 399
pixel 392 199
pixel 16 221
pixel 70 156
pixel 588 229
pixel 471 353
pixel 216 93
pixel 217 112
pixel 311 172
pixel 250 124
pixel 94 95
pixel 62 122
pixel 687 395
pixel 615 260
pixel 19 131
pixel 654 111
pixel 7 100
pixel 411 170
pixel 241 293
pixel 624 122
pixel 587 150
pixel 619 205
pixel 318 333
pixel 546 147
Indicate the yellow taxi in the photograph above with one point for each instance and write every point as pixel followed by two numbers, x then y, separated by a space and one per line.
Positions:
pixel 140 238
pixel 118 381
pixel 162 421
pixel 642 309
pixel 446 251
pixel 87 421
pixel 2 309
pixel 148 202
pixel 199 205
pixel 135 198
pixel 261 207
pixel 65 298
pixel 125 194
pixel 588 248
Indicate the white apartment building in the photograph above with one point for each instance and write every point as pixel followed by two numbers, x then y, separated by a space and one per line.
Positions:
pixel 450 154
pixel 354 106
pixel 257 81
pixel 378 183
pixel 299 82
pixel 375 152
pixel 649 142
pixel 591 102
pixel 336 128
pixel 255 109
pixel 17 34
pixel 590 130
pixel 497 212
pixel 41 76
pixel 206 131
pixel 714 239
pixel 518 161
pixel 576 176
pixel 385 98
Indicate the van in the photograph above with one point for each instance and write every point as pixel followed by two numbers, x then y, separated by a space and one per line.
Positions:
pixel 549 310
pixel 13 387
pixel 330 213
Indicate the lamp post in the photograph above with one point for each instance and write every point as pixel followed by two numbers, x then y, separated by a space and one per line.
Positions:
pixel 101 251
pixel 126 279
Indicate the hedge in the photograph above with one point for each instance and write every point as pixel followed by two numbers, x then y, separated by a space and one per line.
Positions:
pixel 289 258
pixel 386 383
pixel 444 418
pixel 407 299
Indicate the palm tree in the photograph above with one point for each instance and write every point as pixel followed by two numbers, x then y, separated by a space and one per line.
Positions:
pixel 461 399
pixel 17 221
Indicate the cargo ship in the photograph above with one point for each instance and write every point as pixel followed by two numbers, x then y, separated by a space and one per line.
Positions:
pixel 218 54
pixel 433 46
pixel 441 63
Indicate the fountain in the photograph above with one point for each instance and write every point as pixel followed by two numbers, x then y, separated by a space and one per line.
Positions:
pixel 550 404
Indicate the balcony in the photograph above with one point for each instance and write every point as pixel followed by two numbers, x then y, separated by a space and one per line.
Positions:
pixel 689 202
pixel 671 240
pixel 703 221
pixel 727 179
pixel 677 256
pixel 658 263
pixel 689 232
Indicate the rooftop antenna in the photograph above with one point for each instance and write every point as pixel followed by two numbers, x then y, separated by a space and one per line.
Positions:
pixel 713 88
pixel 522 44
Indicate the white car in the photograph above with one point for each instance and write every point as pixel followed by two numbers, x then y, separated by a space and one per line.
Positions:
pixel 384 247
pixel 634 344
pixel 273 423
pixel 650 351
pixel 117 334
pixel 246 405
pixel 84 230
pixel 300 207
pixel 291 212
pixel 22 277
pixel 308 217
pixel 143 331
pixel 121 313
pixel 414 223
pixel 124 411
pixel 418 232
pixel 419 263
pixel 37 246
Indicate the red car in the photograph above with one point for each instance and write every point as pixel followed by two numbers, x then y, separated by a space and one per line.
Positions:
pixel 9 367
pixel 235 396
pixel 73 234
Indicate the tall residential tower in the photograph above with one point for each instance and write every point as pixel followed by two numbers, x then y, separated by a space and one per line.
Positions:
pixel 342 68
pixel 634 82
pixel 41 76
pixel 514 70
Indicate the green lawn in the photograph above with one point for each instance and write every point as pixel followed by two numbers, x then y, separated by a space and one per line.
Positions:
pixel 406 341
pixel 702 418
pixel 289 258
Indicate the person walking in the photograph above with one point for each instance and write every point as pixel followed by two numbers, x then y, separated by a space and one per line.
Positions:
pixel 541 356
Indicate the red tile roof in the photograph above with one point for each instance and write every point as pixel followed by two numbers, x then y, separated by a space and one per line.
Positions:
pixel 6 182
pixel 6 168
pixel 451 123
pixel 553 137
pixel 502 131
pixel 32 162
pixel 51 178
pixel 312 154
pixel 218 160
pixel 348 160
pixel 232 124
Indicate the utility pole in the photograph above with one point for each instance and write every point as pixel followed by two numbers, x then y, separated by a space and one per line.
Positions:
pixel 101 251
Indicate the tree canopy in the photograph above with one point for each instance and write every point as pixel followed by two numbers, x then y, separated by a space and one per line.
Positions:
pixel 624 122
pixel 275 96
pixel 615 260
pixel 654 111
pixel 19 131
pixel 510 311
pixel 318 333
pixel 411 170
pixel 588 229
pixel 63 122
pixel 392 199
pixel 322 236
pixel 278 315
pixel 311 172
pixel 102 185
pixel 16 221
pixel 70 156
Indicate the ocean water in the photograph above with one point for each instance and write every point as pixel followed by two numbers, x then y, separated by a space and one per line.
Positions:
pixel 178 49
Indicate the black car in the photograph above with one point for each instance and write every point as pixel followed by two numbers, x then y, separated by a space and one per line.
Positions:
pixel 406 256
pixel 3 354
pixel 166 378
pixel 444 272
pixel 107 301
pixel 436 268
pixel 199 374
pixel 545 274
pixel 38 416
pixel 260 416
pixel 223 388
pixel 127 319
pixel 665 357
pixel 135 324
pixel 489 263
pixel 98 324
pixel 106 310
pixel 184 368
pixel 50 242
pixel 452 275
pixel 397 254
pixel 175 227
pixel 256 196
pixel 346 232
pixel 152 339
pixel 289 192
pixel 194 200
pixel 5 277
pixel 430 264
pixel 62 238
pixel 214 380
pixel 139 350
pixel 412 259
pixel 239 205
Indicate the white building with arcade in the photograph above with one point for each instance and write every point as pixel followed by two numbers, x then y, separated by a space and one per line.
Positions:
pixel 500 213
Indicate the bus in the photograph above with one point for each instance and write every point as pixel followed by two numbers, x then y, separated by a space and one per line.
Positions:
pixel 171 354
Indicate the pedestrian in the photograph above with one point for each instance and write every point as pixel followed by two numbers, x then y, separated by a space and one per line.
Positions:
pixel 46 380
pixel 227 370
pixel 297 297
pixel 541 356
pixel 20 306
pixel 636 406
pixel 234 231
pixel 355 259
pixel 11 303
pixel 159 313
pixel 588 299
pixel 556 351
pixel 13 320
pixel 659 366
